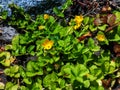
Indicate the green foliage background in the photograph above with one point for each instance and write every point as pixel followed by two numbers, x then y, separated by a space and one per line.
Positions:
pixel 70 64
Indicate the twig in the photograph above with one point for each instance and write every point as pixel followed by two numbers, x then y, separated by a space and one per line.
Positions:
pixel 110 28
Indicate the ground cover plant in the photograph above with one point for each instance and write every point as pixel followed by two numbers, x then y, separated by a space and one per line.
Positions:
pixel 57 52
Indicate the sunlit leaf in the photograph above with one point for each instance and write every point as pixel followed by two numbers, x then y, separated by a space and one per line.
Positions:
pixel 58 12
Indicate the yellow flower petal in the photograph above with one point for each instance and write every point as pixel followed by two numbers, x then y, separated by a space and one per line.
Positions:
pixel 78 19
pixel 41 27
pixel 47 44
pixel 46 16
pixel 100 37
pixel 77 26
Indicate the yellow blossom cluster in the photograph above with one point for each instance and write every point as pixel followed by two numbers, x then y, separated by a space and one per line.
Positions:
pixel 78 20
pixel 47 44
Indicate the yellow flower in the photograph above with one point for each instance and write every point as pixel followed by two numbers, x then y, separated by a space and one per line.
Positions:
pixel 77 26
pixel 100 37
pixel 46 16
pixel 47 44
pixel 41 27
pixel 78 19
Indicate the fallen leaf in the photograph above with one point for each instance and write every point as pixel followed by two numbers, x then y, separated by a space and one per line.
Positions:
pixel 84 36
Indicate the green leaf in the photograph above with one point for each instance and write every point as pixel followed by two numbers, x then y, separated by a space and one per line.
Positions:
pixel 30 48
pixel 50 79
pixel 86 20
pixel 4 15
pixel 57 29
pixel 15 87
pixel 112 67
pixel 82 70
pixel 103 27
pixel 66 31
pixel 117 13
pixel 80 47
pixel 7 71
pixel 85 50
pixel 91 77
pixel 97 88
pixel 40 19
pixel 30 74
pixel 22 72
pixel 69 48
pixel 96 72
pixel 15 42
pixel 37 86
pixel 61 82
pixel 16 52
pixel 23 50
pixel 27 80
pixel 55 58
pixel 79 79
pixel 92 46
pixel 58 12
pixel 50 22
pixel 40 72
pixel 27 17
pixel 8 47
pixel 30 66
pixel 67 4
pixel 23 24
pixel 118 30
pixel 61 43
pixel 67 70
pixel 17 75
pixel 32 53
pixel 6 62
pixel 14 69
pixel 92 28
pixel 100 88
pixel 86 83
pixel 79 70
pixel 8 85
pixel 31 27
pixel 115 38
pixel 23 88
pixel 58 88
pixel 24 39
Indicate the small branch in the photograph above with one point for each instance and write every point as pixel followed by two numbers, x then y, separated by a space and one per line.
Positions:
pixel 110 28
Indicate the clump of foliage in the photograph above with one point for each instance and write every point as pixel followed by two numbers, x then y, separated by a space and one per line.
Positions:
pixel 70 57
